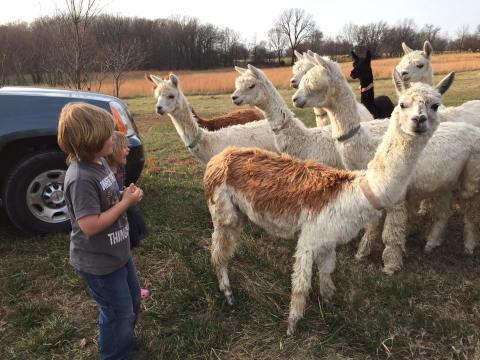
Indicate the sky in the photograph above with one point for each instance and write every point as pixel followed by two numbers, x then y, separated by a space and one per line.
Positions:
pixel 252 19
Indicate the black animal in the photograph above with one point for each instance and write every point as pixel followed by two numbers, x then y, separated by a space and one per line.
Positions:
pixel 381 106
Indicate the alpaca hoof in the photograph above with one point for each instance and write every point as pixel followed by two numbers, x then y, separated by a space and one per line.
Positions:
pixel 428 248
pixel 391 269
pixel 360 257
pixel 230 300
pixel 468 251
pixel 291 327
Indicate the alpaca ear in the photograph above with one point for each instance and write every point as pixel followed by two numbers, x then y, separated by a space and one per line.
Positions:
pixel 445 83
pixel 321 61
pixel 354 55
pixel 255 71
pixel 398 82
pixel 240 70
pixel 368 56
pixel 427 49
pixel 154 79
pixel 298 55
pixel 310 56
pixel 406 49
pixel 173 78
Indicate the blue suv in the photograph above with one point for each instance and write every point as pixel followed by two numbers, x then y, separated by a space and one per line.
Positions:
pixel 33 166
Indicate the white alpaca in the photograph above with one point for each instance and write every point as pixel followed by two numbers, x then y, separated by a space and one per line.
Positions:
pixel 326 206
pixel 457 144
pixel 291 136
pixel 416 66
pixel 300 68
pixel 204 144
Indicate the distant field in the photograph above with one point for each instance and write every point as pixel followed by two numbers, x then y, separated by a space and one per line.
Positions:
pixel 222 80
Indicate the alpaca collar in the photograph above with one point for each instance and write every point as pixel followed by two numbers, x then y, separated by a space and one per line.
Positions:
pixel 196 140
pixel 371 197
pixel 348 135
pixel 369 87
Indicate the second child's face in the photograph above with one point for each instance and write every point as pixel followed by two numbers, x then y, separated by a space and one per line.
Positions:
pixel 121 155
pixel 107 148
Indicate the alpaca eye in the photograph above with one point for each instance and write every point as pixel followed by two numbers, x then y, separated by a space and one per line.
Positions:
pixel 402 105
pixel 171 96
pixel 251 86
pixel 420 66
pixel 435 107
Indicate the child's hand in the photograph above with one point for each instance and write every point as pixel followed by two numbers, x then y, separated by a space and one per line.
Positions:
pixel 133 194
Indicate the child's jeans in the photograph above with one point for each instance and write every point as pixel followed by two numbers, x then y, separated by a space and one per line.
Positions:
pixel 118 297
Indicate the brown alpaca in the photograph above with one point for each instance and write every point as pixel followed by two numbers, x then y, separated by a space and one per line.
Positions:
pixel 236 117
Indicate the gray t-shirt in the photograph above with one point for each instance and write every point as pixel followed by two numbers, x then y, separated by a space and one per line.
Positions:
pixel 91 189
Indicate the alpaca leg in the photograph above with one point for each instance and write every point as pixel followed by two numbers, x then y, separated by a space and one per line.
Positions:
pixel 326 265
pixel 394 238
pixel 442 212
pixel 223 246
pixel 228 224
pixel 471 228
pixel 301 283
pixel 373 235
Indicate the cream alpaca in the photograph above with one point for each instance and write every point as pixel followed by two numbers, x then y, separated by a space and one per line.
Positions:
pixel 457 141
pixel 200 142
pixel 326 206
pixel 416 66
pixel 300 68
pixel 291 135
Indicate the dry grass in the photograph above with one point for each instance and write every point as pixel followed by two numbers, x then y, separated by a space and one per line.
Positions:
pixel 222 80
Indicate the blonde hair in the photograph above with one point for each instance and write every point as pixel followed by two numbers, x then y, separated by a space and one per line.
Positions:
pixel 83 129
pixel 119 142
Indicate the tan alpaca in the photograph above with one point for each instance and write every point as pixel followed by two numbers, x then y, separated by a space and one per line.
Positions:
pixel 456 141
pixel 326 206
pixel 236 117
pixel 416 66
pixel 291 135
pixel 204 144
pixel 300 68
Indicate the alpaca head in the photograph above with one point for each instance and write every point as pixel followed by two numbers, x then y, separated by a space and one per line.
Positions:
pixel 416 65
pixel 318 85
pixel 167 93
pixel 416 112
pixel 250 86
pixel 362 68
pixel 300 68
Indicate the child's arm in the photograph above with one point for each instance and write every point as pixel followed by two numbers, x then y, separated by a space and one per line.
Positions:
pixel 94 224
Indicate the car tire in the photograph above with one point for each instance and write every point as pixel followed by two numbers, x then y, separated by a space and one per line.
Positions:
pixel 33 193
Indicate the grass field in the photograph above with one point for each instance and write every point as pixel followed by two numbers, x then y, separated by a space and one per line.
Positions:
pixel 431 310
pixel 222 80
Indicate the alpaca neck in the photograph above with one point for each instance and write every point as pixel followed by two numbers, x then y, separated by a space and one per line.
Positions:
pixel 276 111
pixel 428 78
pixel 389 172
pixel 367 93
pixel 342 110
pixel 184 122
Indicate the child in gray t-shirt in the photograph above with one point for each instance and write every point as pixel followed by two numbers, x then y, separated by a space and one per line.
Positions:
pixel 99 241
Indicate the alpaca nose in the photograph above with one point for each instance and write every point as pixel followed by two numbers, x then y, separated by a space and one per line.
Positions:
pixel 419 119
pixel 160 109
pixel 234 97
pixel 404 73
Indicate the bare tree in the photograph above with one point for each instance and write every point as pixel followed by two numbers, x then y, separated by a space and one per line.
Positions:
pixel 297 26
pixel 76 41
pixel 463 32
pixel 277 42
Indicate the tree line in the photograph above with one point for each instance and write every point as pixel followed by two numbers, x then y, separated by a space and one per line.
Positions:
pixel 79 46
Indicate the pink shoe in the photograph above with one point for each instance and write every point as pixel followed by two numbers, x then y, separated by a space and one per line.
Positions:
pixel 144 293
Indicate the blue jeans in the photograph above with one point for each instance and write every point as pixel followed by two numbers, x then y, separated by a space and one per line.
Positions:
pixel 118 297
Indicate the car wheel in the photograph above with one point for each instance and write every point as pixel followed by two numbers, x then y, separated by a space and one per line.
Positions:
pixel 33 193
